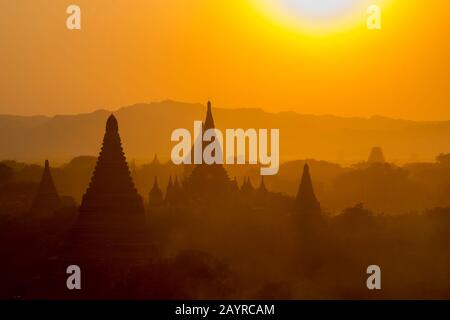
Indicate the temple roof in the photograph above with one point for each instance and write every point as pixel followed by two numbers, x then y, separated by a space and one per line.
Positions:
pixel 306 199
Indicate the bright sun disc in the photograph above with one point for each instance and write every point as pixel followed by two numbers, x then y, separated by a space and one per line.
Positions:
pixel 319 9
pixel 321 16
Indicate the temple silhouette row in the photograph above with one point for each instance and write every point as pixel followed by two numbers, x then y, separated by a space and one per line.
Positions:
pixel 112 213
pixel 212 232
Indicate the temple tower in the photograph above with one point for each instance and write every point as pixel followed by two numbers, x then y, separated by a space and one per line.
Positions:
pixel 47 200
pixel 174 193
pixel 155 197
pixel 112 191
pixel 207 181
pixel 155 161
pixel 111 217
pixel 376 156
pixel 110 230
pixel 262 187
pixel 169 198
pixel 247 186
pixel 306 201
pixel 234 185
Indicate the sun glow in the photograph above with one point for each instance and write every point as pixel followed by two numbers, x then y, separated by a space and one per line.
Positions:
pixel 317 16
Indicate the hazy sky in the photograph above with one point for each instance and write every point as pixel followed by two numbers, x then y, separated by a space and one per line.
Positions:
pixel 236 52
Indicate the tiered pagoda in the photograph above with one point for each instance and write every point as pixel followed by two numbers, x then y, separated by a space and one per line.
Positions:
pixel 111 214
pixel 111 192
pixel 47 200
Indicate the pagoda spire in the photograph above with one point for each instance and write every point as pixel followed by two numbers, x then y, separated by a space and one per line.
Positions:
pixel 155 160
pixel 262 187
pixel 155 183
pixel 111 191
pixel 178 191
pixel 234 184
pixel 205 181
pixel 169 191
pixel 244 184
pixel 209 120
pixel 207 124
pixel 170 183
pixel 306 200
pixel 47 199
pixel 155 196
pixel 176 184
pixel 249 184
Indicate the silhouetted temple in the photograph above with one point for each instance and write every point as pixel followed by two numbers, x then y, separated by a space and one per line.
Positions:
pixel 155 197
pixel 306 201
pixel 376 156
pixel 47 200
pixel 112 192
pixel 234 185
pixel 207 181
pixel 170 193
pixel 247 187
pixel 262 190
pixel 155 161
pixel 111 214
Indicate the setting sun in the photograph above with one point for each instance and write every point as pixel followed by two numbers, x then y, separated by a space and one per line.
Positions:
pixel 317 16
pixel 278 55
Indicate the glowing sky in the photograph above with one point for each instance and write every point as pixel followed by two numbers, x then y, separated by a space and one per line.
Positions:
pixel 316 16
pixel 274 54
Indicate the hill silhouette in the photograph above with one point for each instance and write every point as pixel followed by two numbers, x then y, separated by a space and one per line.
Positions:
pixel 326 137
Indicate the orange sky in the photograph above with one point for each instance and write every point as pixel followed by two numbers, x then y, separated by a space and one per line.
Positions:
pixel 230 51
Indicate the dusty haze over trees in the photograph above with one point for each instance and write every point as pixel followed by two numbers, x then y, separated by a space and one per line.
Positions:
pixel 309 232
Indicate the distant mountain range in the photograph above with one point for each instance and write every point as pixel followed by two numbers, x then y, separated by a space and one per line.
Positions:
pixel 146 130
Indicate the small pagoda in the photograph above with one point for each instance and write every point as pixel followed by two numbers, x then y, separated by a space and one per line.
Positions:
pixel 306 201
pixel 155 197
pixel 47 200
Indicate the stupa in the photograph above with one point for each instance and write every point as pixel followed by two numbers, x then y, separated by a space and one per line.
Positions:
pixel 111 216
pixel 306 201
pixel 47 200
pixel 155 197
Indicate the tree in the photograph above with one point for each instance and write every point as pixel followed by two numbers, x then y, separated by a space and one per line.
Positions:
pixel 6 173
pixel 443 158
